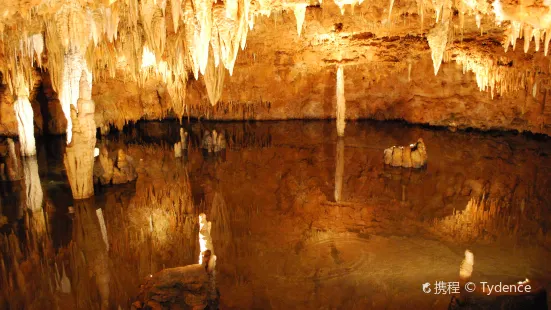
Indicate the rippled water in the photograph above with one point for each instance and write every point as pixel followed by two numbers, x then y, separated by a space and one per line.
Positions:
pixel 294 225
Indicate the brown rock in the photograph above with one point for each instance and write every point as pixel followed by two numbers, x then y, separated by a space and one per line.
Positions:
pixel 397 156
pixel 185 286
pixel 406 157
pixel 124 170
pixel 388 156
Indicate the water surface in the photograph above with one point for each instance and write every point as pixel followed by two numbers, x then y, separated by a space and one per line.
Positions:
pixel 300 218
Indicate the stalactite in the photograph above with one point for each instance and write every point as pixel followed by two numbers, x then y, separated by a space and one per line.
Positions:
pixel 341 103
pixel 438 38
pixel 214 80
pixel 25 115
pixel 300 12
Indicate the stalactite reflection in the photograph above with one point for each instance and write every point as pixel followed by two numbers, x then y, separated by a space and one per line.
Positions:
pixel 339 169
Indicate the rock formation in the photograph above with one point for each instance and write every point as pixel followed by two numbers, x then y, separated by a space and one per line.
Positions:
pixel 25 122
pixel 124 170
pixel 114 171
pixel 182 145
pixel 412 156
pixel 79 155
pixel 186 287
pixel 213 141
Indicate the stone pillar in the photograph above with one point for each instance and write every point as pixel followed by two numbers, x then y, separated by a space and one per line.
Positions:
pixel 341 103
pixel 74 67
pixel 25 119
pixel 339 169
pixel 79 155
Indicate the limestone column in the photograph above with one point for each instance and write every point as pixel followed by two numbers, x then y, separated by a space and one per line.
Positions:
pixel 341 103
pixel 339 169
pixel 79 154
pixel 25 118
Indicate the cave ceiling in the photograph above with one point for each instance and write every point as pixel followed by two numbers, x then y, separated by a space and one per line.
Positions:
pixel 504 43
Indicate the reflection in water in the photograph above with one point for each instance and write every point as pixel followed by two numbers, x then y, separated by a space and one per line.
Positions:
pixel 488 220
pixel 89 257
pixel 339 169
pixel 274 226
pixel 33 188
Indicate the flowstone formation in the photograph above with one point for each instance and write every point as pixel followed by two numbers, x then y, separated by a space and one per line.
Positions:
pixel 411 156
pixel 79 154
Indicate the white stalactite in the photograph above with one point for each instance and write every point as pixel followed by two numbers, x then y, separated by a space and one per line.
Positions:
pixel 438 38
pixel 25 124
pixel 300 13
pixel 341 103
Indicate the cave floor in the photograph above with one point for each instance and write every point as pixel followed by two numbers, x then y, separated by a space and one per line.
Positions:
pixel 283 238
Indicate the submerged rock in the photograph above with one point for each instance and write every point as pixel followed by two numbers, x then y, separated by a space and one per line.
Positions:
pixel 207 142
pixel 118 171
pixel 124 170
pixel 411 156
pixel 214 142
pixel 176 288
pixel 103 168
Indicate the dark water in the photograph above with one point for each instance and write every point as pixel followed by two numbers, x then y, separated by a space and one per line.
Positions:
pixel 300 219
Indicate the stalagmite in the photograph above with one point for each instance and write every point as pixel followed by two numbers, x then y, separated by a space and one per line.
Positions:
pixel 205 241
pixel 79 155
pixel 300 13
pixel 341 103
pixel 339 169
pixel 25 118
